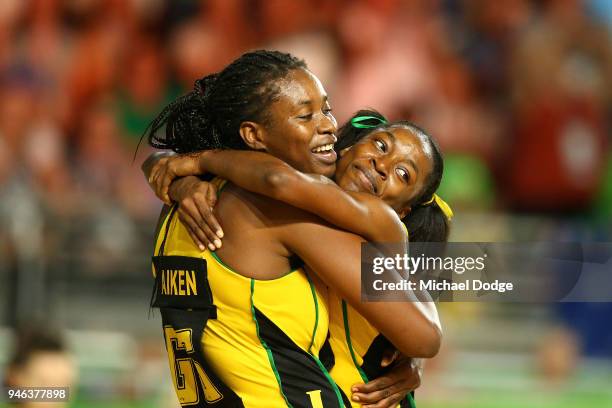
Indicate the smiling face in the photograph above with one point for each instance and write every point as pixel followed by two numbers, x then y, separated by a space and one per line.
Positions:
pixel 392 164
pixel 301 130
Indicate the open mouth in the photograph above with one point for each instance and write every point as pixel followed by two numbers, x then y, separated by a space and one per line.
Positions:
pixel 325 153
pixel 324 148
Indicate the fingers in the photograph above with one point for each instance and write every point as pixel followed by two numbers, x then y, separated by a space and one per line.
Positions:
pixel 389 402
pixel 384 390
pixel 211 226
pixel 162 181
pixel 193 235
pixel 163 173
pixel 194 221
pixel 164 185
pixel 211 197
pixel 198 236
pixel 403 371
pixel 376 384
pixel 388 395
pixel 389 357
pixel 200 213
pixel 158 165
pixel 206 219
pixel 215 242
pixel 157 177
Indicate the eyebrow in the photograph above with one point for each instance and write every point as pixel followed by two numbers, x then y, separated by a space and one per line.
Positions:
pixel 390 135
pixel 309 102
pixel 413 165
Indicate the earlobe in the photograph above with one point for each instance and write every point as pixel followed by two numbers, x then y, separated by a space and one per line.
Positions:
pixel 253 135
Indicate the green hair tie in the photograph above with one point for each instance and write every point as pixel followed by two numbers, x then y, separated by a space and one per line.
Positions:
pixel 358 122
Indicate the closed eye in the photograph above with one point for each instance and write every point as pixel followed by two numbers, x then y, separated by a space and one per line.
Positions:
pixel 306 117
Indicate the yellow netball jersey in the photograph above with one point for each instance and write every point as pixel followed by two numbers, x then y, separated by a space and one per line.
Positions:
pixel 357 346
pixel 234 341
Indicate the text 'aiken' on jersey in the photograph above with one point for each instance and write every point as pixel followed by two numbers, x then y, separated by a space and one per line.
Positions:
pixel 178 282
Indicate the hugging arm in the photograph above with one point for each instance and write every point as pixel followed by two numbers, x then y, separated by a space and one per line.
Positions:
pixel 196 200
pixel 152 160
pixel 267 175
pixel 411 325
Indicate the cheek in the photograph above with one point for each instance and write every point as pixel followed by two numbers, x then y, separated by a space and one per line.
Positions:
pixel 365 151
pixel 298 148
pixel 343 161
pixel 295 135
pixel 286 139
pixel 340 176
pixel 399 194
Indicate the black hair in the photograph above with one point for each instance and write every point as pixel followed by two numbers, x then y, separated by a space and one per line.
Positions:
pixel 32 340
pixel 425 223
pixel 209 116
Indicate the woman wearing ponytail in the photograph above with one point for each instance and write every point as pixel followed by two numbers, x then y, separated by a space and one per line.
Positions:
pixel 247 325
pixel 387 171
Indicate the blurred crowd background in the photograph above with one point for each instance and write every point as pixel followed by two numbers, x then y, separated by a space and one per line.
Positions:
pixel 517 92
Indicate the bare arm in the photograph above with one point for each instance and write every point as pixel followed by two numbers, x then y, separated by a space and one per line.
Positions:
pixel 264 174
pixel 196 200
pixel 412 326
pixel 152 160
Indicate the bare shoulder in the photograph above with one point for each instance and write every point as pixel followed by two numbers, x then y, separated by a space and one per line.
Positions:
pixel 253 227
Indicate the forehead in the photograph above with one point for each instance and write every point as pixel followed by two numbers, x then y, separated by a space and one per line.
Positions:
pixel 404 139
pixel 301 85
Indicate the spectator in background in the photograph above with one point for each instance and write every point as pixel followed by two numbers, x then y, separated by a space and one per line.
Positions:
pixel 477 73
pixel 386 61
pixel 146 89
pixel 103 163
pixel 557 157
pixel 41 359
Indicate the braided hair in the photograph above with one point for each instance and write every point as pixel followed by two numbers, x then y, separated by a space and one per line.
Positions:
pixel 425 223
pixel 209 116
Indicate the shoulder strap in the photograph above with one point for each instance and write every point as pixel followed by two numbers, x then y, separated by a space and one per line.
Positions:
pixel 167 229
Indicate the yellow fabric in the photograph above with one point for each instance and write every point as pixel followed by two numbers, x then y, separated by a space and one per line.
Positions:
pixel 446 209
pixel 230 342
pixel 345 373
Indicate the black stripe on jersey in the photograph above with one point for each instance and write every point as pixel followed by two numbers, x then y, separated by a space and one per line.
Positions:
pixel 298 371
pixel 163 243
pixel 327 358
pixel 371 363
pixel 345 399
pixel 372 358
pixel 195 321
pixel 326 355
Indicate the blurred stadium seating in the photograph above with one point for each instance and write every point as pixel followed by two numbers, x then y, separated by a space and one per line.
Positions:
pixel 517 92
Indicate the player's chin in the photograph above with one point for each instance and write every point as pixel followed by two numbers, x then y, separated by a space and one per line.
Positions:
pixel 324 168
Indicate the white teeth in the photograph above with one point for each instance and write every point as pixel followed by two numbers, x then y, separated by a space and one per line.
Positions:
pixel 326 148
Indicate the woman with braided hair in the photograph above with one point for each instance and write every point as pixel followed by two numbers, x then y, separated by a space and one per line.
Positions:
pixel 256 335
pixel 378 158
